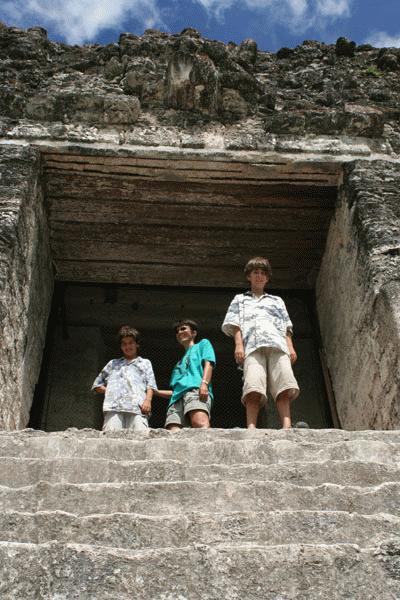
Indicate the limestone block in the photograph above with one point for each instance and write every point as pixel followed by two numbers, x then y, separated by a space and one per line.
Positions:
pixel 233 104
pixel 358 298
pixel 121 110
pixel 41 108
pixel 388 59
pixel 113 68
pixel 25 282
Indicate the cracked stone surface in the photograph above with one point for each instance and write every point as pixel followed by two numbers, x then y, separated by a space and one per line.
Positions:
pixel 183 93
pixel 174 89
pixel 26 282
pixel 358 297
pixel 266 528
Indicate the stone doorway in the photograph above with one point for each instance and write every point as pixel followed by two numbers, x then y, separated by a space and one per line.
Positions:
pixel 82 338
pixel 187 217
pixel 121 223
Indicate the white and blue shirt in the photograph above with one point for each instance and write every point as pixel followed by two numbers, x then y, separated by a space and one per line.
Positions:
pixel 126 383
pixel 263 321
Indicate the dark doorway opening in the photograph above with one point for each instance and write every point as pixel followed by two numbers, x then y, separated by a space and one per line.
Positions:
pixel 82 337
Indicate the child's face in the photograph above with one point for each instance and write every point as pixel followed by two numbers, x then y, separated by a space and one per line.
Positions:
pixel 129 347
pixel 257 278
pixel 184 334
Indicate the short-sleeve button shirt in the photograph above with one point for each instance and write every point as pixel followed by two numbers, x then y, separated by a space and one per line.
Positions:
pixel 263 321
pixel 126 384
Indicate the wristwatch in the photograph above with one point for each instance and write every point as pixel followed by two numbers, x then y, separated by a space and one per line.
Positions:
pixel 204 381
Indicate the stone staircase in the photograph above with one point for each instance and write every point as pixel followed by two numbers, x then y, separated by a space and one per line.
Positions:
pixel 210 515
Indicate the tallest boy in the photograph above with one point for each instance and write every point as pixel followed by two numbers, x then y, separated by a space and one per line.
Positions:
pixel 262 330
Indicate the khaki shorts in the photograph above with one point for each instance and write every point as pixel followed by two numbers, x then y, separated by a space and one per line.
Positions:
pixel 177 413
pixel 268 369
pixel 115 421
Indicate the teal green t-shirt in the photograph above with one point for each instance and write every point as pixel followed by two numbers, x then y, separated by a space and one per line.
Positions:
pixel 188 372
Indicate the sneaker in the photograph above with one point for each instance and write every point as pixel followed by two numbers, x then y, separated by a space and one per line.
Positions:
pixel 301 425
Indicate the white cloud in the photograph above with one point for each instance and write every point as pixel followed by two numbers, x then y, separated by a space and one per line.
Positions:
pixel 381 39
pixel 79 21
pixel 296 8
pixel 298 15
pixel 333 8
pixel 216 7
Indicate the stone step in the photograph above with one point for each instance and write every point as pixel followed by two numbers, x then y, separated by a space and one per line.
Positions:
pixel 137 531
pixel 200 435
pixel 223 571
pixel 227 448
pixel 176 497
pixel 19 472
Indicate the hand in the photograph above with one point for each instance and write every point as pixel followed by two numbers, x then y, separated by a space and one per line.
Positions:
pixel 239 355
pixel 146 407
pixel 203 392
pixel 293 356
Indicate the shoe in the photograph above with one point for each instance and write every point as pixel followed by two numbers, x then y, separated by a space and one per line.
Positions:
pixel 301 425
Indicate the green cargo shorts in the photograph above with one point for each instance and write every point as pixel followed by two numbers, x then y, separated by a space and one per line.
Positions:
pixel 177 413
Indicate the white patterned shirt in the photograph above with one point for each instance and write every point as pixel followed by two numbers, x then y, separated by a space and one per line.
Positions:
pixel 263 321
pixel 126 383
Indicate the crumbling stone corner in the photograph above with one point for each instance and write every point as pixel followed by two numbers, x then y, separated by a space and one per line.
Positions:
pixel 26 281
pixel 358 297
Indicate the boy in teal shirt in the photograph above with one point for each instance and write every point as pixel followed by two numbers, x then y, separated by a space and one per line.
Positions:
pixel 191 395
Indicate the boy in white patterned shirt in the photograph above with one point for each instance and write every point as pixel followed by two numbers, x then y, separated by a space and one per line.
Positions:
pixel 262 330
pixel 127 384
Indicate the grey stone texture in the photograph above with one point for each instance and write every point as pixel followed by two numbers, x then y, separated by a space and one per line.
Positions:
pixel 200 514
pixel 26 281
pixel 181 97
pixel 358 295
pixel 163 89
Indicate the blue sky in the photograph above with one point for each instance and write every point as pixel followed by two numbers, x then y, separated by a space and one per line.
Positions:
pixel 272 23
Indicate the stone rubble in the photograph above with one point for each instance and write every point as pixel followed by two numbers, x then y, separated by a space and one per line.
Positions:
pixel 182 83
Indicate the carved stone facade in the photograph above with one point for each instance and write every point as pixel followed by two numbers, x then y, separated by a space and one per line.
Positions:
pixel 253 147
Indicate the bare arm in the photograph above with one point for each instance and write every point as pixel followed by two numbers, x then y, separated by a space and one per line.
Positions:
pixel 163 393
pixel 207 374
pixel 101 389
pixel 146 406
pixel 239 346
pixel 292 351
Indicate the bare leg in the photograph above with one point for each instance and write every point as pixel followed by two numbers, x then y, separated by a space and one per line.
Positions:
pixel 199 419
pixel 283 407
pixel 252 401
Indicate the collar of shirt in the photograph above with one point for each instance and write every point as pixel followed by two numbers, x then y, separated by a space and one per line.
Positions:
pixel 125 361
pixel 250 294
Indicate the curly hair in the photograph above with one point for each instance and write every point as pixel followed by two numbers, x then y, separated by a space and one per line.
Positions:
pixel 128 331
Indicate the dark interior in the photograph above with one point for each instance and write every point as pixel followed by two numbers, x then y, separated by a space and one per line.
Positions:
pixel 82 337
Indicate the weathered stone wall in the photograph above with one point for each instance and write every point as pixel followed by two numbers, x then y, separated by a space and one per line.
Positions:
pixel 26 281
pixel 358 297
pixel 185 91
pixel 159 94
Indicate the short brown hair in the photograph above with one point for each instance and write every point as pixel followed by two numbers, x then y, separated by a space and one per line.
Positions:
pixel 258 262
pixel 128 331
pixel 192 324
